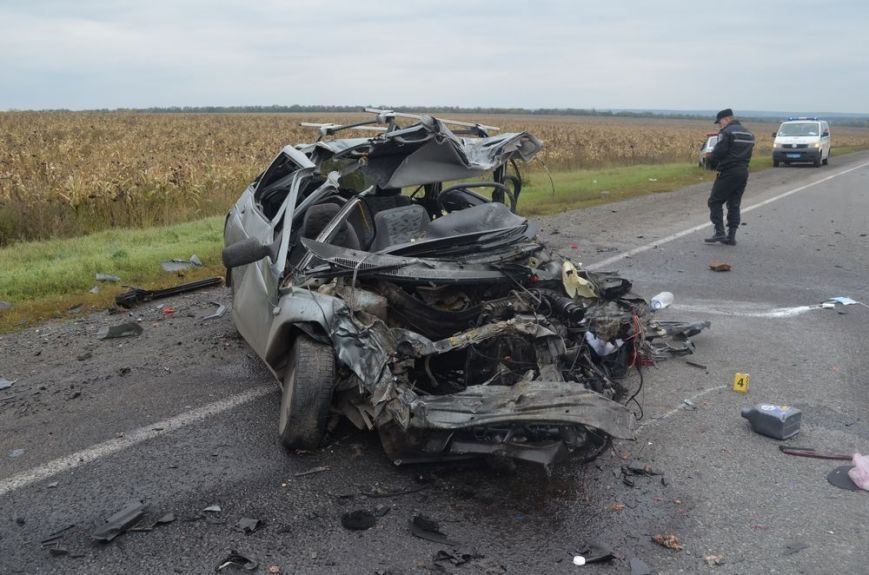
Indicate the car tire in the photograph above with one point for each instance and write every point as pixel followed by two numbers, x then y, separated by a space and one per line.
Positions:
pixel 826 161
pixel 775 163
pixel 306 400
pixel 817 163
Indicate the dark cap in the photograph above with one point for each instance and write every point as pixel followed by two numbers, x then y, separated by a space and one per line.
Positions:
pixel 723 114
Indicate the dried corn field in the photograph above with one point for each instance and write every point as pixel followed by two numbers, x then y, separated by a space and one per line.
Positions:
pixel 66 174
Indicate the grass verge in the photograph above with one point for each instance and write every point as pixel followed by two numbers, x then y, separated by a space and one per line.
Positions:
pixel 52 278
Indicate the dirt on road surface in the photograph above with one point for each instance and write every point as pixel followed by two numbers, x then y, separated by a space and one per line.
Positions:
pixel 184 417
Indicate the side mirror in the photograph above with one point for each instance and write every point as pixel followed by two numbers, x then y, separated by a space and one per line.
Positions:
pixel 773 134
pixel 825 134
pixel 246 251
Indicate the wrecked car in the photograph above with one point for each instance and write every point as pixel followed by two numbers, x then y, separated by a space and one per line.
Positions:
pixel 389 279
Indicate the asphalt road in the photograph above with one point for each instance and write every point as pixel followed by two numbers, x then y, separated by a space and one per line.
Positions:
pixel 185 417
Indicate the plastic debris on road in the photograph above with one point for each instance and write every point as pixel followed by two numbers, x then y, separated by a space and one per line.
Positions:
pixel 236 559
pixel 130 329
pixel 844 300
pixel 121 521
pixel 661 301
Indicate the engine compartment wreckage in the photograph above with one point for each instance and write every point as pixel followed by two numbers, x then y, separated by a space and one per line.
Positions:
pixel 402 290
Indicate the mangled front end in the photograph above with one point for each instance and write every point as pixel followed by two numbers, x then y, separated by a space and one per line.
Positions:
pixel 454 359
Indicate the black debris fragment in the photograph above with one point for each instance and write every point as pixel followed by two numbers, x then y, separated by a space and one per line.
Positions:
pixel 247 525
pixel 235 560
pixel 311 471
pixel 358 520
pixel 429 529
pixel 594 552
pixel 456 557
pixel 839 478
pixel 129 329
pixel 58 550
pixel 644 471
pixel 137 295
pixel 792 548
pixel 55 535
pixel 121 521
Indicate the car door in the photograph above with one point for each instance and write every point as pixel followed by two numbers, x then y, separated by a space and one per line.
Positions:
pixel 260 214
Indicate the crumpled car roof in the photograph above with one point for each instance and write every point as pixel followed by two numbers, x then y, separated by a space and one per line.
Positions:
pixel 426 152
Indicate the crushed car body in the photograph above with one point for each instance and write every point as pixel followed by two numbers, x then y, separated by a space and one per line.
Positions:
pixel 390 280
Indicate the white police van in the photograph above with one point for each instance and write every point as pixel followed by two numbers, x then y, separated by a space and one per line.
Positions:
pixel 801 140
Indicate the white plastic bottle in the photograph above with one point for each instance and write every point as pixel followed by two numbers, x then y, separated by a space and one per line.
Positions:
pixel 660 301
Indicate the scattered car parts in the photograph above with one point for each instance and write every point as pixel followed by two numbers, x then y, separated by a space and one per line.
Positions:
pixel 137 295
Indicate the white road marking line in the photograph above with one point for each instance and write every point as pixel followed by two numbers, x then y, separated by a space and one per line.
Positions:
pixel 678 409
pixel 638 250
pixel 775 313
pixel 130 439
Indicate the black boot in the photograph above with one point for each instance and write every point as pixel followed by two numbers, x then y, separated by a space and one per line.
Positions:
pixel 718 236
pixel 730 240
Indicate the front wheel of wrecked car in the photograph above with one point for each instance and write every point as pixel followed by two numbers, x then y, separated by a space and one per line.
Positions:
pixel 307 394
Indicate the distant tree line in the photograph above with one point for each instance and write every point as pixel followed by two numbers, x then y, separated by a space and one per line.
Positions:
pixel 861 120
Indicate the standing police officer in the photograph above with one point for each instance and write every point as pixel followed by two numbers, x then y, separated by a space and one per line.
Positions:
pixel 731 156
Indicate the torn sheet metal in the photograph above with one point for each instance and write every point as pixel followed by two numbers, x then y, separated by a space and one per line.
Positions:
pixel 526 401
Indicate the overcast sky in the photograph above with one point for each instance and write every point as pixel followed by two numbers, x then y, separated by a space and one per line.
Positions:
pixel 790 55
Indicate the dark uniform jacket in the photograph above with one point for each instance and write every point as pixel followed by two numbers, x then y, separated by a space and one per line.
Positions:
pixel 734 147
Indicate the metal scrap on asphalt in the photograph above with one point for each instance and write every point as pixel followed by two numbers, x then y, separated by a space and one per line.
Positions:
pixel 121 521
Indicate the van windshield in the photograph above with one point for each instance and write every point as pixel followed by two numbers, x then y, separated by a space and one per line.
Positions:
pixel 799 129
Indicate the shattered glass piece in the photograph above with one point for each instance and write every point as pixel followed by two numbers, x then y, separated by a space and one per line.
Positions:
pixel 213 509
pixel 129 329
pixel 6 383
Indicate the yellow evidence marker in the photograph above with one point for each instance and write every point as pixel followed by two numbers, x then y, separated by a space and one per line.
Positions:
pixel 740 382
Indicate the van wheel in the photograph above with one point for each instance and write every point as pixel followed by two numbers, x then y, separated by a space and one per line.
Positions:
pixel 775 163
pixel 826 160
pixel 307 394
